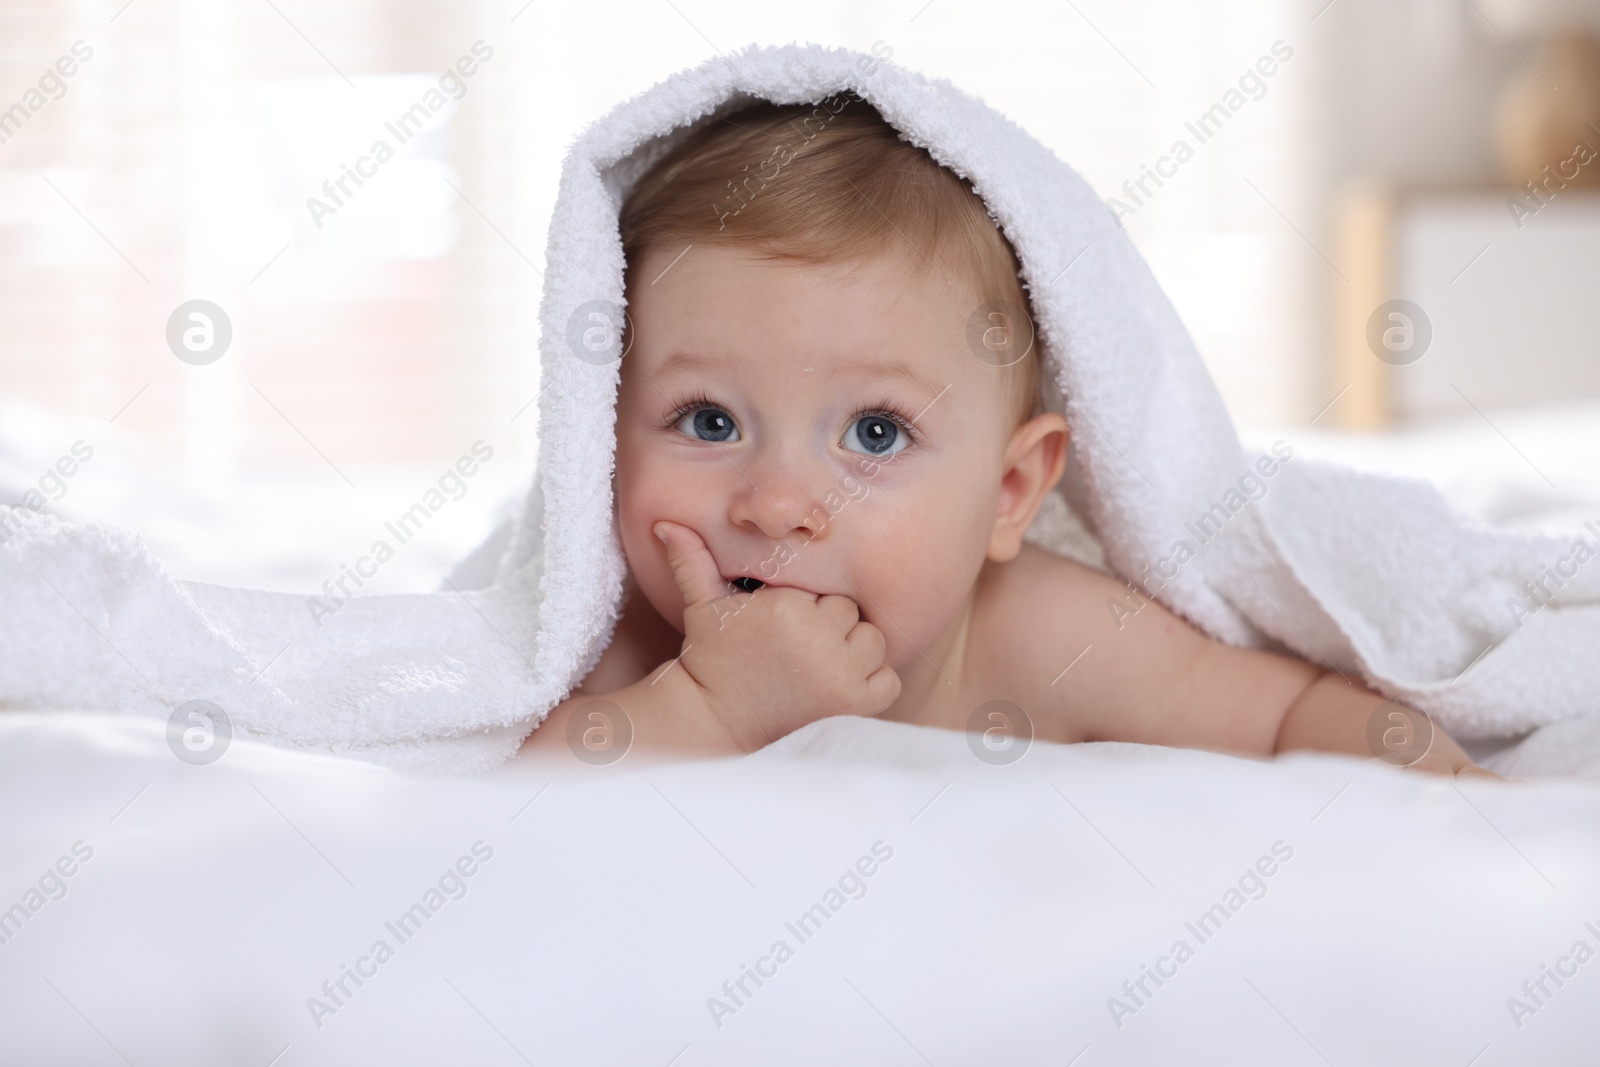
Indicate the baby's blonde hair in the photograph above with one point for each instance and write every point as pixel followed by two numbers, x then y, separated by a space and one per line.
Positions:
pixel 824 183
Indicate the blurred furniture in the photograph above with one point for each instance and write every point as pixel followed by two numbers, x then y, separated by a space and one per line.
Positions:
pixel 1537 123
pixel 1503 283
pixel 1552 100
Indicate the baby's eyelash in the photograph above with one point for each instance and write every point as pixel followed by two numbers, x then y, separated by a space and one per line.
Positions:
pixel 885 408
pixel 888 409
pixel 693 403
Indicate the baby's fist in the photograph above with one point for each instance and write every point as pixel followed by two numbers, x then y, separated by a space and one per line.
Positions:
pixel 768 662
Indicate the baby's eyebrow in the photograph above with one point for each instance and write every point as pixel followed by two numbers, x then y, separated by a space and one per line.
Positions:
pixel 876 372
pixel 897 370
pixel 687 361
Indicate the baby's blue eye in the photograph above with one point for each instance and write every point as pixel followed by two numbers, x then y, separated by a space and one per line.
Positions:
pixel 709 424
pixel 878 435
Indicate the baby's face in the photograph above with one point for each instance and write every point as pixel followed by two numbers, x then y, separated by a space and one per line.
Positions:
pixel 823 427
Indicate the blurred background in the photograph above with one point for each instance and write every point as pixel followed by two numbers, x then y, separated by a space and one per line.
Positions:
pixel 1439 153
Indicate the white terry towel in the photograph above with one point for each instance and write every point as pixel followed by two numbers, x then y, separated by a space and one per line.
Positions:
pixel 1369 575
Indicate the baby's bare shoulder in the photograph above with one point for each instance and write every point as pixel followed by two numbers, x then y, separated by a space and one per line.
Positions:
pixel 1034 618
pixel 1016 596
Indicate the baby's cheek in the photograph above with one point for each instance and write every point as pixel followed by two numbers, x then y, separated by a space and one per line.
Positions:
pixel 645 497
pixel 912 593
pixel 633 531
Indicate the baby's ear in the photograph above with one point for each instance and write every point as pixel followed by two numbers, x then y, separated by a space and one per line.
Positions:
pixel 1035 459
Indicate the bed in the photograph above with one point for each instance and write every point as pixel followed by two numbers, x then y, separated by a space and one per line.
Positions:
pixel 1088 904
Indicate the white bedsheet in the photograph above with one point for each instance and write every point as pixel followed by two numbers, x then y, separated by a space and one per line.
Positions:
pixel 1015 904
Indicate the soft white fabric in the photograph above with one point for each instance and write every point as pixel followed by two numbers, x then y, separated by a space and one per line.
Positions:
pixel 1376 577
pixel 1015 904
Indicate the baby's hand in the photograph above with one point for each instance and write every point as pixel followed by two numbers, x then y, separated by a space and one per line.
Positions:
pixel 769 662
pixel 1448 760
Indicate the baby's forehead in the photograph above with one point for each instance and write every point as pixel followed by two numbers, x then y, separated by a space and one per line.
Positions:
pixel 728 299
pixel 915 367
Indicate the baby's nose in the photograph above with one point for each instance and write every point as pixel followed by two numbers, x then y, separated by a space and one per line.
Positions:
pixel 778 502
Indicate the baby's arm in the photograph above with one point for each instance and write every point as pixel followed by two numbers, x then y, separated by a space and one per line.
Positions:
pixel 664 710
pixel 1150 677
pixel 1331 715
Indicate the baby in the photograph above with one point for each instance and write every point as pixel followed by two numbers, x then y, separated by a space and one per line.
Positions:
pixel 823 485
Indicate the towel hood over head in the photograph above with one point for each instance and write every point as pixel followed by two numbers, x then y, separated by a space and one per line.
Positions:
pixel 1371 576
